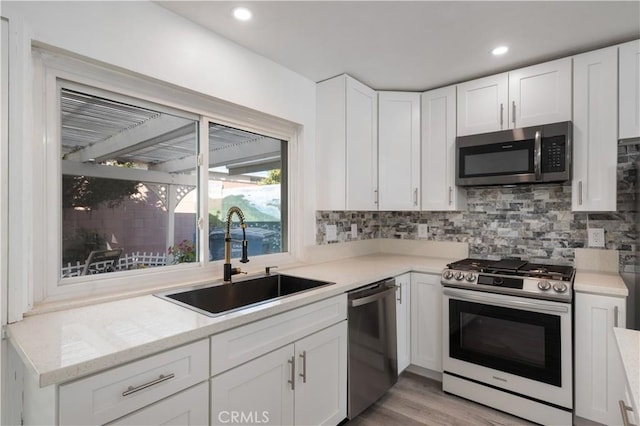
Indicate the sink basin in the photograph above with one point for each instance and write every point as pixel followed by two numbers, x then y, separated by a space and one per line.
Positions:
pixel 218 299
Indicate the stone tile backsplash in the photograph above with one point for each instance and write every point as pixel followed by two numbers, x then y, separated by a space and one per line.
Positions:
pixel 532 222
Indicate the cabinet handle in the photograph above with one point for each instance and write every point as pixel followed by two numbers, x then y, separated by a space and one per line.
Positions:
pixel 513 112
pixel 450 195
pixel 415 197
pixel 375 196
pixel 615 316
pixel 134 389
pixel 303 355
pixel 537 159
pixel 580 193
pixel 501 115
pixel 292 381
pixel 399 298
pixel 624 412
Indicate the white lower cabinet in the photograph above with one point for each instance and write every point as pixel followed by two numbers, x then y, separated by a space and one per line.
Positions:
pixel 302 383
pixel 403 320
pixel 188 408
pixel 259 389
pixel 599 375
pixel 107 396
pixel 426 321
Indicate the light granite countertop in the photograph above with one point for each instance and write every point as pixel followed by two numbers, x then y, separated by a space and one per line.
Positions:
pixel 602 283
pixel 66 345
pixel 628 342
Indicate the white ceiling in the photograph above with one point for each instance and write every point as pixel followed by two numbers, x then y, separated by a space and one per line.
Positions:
pixel 415 45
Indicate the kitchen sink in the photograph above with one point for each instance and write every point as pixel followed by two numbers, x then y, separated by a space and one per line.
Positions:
pixel 218 299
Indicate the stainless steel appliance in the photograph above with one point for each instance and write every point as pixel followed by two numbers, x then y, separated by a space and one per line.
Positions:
pixel 529 154
pixel 507 336
pixel 372 344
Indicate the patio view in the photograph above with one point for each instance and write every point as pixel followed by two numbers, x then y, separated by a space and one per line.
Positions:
pixel 130 187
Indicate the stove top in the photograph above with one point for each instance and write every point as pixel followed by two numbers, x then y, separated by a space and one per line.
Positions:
pixel 512 276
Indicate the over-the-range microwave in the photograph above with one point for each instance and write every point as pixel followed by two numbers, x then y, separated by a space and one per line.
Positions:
pixel 526 155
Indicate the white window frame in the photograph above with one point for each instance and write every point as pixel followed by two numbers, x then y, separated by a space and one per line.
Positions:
pixel 47 287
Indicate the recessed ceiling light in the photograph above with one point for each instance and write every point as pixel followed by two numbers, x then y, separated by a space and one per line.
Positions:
pixel 242 13
pixel 500 50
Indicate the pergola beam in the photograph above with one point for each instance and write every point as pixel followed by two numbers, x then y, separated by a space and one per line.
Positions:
pixel 125 173
pixel 164 127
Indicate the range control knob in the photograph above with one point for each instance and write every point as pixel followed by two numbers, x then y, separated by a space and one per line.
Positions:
pixel 544 285
pixel 471 277
pixel 447 275
pixel 459 276
pixel 560 287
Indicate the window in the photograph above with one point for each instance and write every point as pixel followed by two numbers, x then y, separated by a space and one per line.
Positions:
pixel 127 172
pixel 249 171
pixel 134 183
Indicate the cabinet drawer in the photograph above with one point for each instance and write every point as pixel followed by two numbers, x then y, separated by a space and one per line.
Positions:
pixel 234 347
pixel 107 396
pixel 189 407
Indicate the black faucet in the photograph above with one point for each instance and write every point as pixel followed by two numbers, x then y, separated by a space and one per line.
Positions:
pixel 228 270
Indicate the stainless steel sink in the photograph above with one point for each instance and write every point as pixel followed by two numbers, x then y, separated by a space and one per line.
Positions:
pixel 218 299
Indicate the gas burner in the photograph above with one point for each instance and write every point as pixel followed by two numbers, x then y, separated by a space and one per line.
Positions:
pixel 512 276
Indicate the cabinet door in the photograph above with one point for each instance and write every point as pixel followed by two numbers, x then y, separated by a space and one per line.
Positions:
pixel 399 150
pixel 599 376
pixel 261 390
pixel 321 377
pixel 540 94
pixel 426 321
pixel 629 90
pixel 331 144
pixel 403 320
pixel 439 191
pixel 482 105
pixel 362 146
pixel 595 129
pixel 187 408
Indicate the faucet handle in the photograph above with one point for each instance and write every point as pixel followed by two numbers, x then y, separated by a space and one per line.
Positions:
pixel 267 270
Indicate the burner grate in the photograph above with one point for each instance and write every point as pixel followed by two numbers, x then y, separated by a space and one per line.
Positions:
pixel 515 267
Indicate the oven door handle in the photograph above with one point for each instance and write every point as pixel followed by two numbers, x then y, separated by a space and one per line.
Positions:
pixel 515 304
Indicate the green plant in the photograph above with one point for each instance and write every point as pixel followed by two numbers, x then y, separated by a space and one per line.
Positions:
pixel 184 251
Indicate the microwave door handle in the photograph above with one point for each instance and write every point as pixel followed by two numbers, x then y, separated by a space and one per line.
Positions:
pixel 537 161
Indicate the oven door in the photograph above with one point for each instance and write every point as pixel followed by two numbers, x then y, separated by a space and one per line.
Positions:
pixel 517 344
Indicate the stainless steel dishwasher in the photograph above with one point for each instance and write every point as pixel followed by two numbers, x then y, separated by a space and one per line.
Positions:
pixel 373 364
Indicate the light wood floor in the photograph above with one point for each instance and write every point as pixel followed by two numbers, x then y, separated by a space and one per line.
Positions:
pixel 416 400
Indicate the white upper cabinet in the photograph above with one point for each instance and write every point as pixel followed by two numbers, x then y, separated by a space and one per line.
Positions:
pixel 539 94
pixel 399 150
pixel 595 130
pixel 439 191
pixel 629 106
pixel 346 151
pixel 362 146
pixel 482 105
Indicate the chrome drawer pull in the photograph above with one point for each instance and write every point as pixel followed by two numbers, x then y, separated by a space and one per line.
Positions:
pixel 303 355
pixel 160 379
pixel 624 408
pixel 292 381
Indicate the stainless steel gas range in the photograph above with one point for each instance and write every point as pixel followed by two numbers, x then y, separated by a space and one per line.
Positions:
pixel 507 336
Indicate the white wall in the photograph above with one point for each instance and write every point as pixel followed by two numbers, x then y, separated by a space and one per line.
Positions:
pixel 146 39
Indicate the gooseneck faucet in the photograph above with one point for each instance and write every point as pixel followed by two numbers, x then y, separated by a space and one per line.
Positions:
pixel 228 270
